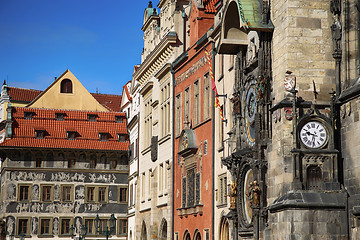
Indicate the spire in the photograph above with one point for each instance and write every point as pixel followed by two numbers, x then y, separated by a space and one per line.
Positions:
pixel 150 4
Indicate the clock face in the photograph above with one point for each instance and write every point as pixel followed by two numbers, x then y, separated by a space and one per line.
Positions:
pixel 249 110
pixel 313 134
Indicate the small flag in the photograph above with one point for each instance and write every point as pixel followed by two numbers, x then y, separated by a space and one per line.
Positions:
pixel 213 86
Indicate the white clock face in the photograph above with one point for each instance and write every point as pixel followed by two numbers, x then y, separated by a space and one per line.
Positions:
pixel 313 134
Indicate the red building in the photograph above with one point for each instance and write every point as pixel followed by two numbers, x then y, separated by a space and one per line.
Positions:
pixel 193 162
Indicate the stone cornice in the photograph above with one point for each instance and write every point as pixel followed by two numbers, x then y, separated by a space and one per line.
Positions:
pixel 156 57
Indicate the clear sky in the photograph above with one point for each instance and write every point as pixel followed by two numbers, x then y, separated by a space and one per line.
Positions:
pixel 98 41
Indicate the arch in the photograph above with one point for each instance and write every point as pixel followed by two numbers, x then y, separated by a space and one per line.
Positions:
pixel 163 229
pixel 197 235
pixel 143 231
pixel 187 235
pixel 66 86
pixel 224 229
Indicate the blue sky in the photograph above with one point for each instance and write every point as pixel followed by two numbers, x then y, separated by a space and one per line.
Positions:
pixel 98 41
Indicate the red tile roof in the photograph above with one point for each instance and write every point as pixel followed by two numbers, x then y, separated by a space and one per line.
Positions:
pixel 210 6
pixel 22 94
pixel 111 102
pixel 56 137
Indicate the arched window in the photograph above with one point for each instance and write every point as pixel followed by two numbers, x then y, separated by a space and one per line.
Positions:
pixel 197 235
pixel 143 231
pixel 187 235
pixel 224 229
pixel 163 230
pixel 66 86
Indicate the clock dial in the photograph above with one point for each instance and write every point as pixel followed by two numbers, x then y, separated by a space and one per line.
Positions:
pixel 249 100
pixel 313 134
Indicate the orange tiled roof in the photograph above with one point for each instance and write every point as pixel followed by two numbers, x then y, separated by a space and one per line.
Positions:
pixel 111 102
pixel 22 94
pixel 210 6
pixel 55 135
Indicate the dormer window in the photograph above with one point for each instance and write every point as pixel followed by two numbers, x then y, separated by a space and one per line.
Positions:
pixel 119 119
pixel 71 135
pixel 92 117
pixel 59 116
pixel 66 86
pixel 122 137
pixel 39 134
pixel 103 136
pixel 29 115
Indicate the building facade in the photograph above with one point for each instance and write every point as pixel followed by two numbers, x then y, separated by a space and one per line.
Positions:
pixel 64 164
pixel 193 129
pixel 163 41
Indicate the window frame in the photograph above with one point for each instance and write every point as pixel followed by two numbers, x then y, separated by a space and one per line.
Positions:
pixel 120 188
pixel 41 225
pixel 51 197
pixel 61 233
pixel 71 193
pixel 120 226
pixel 27 232
pixel 97 194
pixel 28 192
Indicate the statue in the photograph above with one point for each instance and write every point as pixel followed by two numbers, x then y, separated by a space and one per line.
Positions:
pixel 232 195
pixel 254 194
pixel 336 34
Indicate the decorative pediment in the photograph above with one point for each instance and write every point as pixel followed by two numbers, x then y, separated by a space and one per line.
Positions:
pixel 187 143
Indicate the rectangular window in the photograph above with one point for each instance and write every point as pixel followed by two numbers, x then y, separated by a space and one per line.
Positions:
pixel 71 162
pixel 166 177
pixel 71 135
pixel 122 226
pixel 92 163
pixel 122 137
pixel 38 162
pixel 46 193
pixel 165 108
pixel 45 226
pixel 66 193
pixel 222 189
pixel 92 117
pixel 178 114
pixel 231 62
pixel 207 97
pixel 143 187
pixel 131 201
pixel 147 122
pixel 161 180
pixel 59 116
pixel 29 115
pixel 103 136
pixel 39 134
pixel 90 194
pixel 23 226
pixel 221 65
pixel 118 119
pixel 187 105
pixel 65 226
pixel 103 225
pixel 197 102
pixel 221 130
pixel 122 194
pixel 149 184
pixel 113 163
pixel 89 223
pixel 102 194
pixel 24 193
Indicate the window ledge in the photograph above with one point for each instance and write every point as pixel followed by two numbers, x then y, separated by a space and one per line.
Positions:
pixel 221 205
pixel 164 139
pixel 220 149
pixel 45 235
pixel 185 212
pixel 146 150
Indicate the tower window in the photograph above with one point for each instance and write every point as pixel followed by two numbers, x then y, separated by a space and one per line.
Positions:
pixel 66 86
